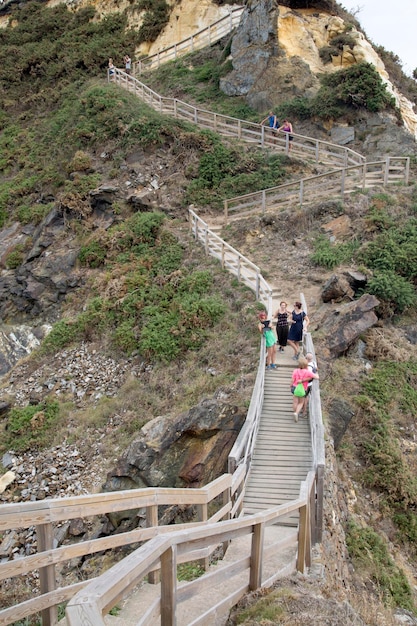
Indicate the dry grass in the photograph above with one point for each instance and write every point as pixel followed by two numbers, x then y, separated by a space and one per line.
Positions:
pixel 305 602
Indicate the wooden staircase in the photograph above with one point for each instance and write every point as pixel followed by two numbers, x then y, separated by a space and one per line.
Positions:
pixel 282 454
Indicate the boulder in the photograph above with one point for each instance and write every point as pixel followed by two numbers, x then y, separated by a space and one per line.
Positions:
pixel 144 200
pixel 336 288
pixel 342 327
pixel 190 449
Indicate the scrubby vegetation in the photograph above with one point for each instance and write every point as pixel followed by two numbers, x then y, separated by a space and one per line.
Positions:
pixel 386 247
pixel 371 557
pixel 226 172
pixel 31 426
pixel 158 308
pixel 341 93
pixel 196 78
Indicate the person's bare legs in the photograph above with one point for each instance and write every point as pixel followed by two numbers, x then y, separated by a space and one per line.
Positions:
pixel 268 357
pixel 294 345
pixel 297 406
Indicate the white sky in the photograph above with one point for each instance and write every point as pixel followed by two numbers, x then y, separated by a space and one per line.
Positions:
pixel 392 25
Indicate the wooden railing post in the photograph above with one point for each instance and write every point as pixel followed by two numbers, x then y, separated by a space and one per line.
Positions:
pixel 196 228
pixel 206 240
pixel 407 170
pixel 226 215
pixel 287 143
pixel 386 173
pixel 202 517
pixel 304 540
pixel 255 575
pixel 151 522
pixel 318 532
pixel 257 282
pixel 47 576
pixel 169 586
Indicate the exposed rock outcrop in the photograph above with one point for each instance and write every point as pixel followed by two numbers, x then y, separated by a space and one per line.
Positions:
pixel 344 325
pixel 276 56
pixel 176 451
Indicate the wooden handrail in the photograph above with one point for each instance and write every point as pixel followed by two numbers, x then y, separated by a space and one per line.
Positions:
pixel 202 38
pixel 241 454
pixel 232 260
pixel 42 514
pixel 103 593
pixel 309 189
pixel 309 148
pixel 352 171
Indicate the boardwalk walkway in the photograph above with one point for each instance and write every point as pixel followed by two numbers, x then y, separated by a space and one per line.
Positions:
pixel 282 456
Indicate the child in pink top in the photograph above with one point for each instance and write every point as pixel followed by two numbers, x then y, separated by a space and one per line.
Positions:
pixel 300 375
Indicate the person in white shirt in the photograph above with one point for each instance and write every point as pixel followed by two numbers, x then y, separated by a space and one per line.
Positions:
pixel 312 367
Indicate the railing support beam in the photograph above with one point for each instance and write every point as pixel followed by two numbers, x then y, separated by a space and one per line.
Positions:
pixel 255 576
pixel 47 575
pixel 169 586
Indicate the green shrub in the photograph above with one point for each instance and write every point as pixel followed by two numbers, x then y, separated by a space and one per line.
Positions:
pixel 406 522
pixel 342 40
pixel 397 292
pixel 331 255
pixel 371 557
pixel 33 212
pixel 392 392
pixel 198 283
pixel 125 336
pixel 92 254
pixel 380 218
pixel 62 334
pixel 81 161
pixel 31 427
pixel 393 250
pixel 15 258
pixel 227 172
pixel 358 86
pixel 160 336
pixel 326 54
pixel 154 20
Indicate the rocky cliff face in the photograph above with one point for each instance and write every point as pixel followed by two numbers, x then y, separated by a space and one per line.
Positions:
pixel 275 55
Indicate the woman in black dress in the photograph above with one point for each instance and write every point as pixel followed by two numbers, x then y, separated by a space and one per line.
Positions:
pixel 298 320
pixel 282 316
